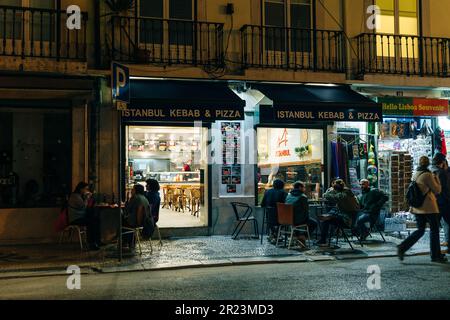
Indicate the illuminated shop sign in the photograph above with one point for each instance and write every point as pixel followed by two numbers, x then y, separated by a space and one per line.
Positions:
pixel 182 114
pixel 411 107
pixel 299 114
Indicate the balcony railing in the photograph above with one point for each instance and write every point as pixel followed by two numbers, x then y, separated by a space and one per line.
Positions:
pixel 166 42
pixel 403 54
pixel 292 48
pixel 32 32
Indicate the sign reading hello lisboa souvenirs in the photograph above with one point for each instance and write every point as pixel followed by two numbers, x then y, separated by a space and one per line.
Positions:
pixel 413 107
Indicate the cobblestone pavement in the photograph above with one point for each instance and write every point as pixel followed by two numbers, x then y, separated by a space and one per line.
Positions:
pixel 187 252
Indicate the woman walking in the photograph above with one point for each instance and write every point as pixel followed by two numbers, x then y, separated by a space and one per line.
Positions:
pixel 430 186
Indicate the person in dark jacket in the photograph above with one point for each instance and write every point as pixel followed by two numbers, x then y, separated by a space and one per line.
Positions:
pixel 153 197
pixel 342 207
pixel 370 201
pixel 299 200
pixel 269 202
pixel 441 170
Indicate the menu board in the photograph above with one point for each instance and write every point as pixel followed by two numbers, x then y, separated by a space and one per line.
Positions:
pixel 231 173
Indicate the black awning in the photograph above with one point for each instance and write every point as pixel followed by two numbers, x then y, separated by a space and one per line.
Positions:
pixel 177 100
pixel 316 103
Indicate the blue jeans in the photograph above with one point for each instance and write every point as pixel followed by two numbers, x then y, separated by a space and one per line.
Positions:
pixel 361 221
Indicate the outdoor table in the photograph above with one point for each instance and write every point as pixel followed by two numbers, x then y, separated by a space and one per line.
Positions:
pixel 119 215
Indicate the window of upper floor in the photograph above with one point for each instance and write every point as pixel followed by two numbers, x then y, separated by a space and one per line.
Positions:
pixel 30 25
pixel 287 25
pixel 398 18
pixel 154 27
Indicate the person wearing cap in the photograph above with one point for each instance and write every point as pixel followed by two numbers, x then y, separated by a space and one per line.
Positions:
pixel 430 186
pixel 441 170
pixel 370 201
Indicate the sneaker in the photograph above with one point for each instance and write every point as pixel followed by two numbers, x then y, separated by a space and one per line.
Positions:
pixel 441 259
pixel 400 253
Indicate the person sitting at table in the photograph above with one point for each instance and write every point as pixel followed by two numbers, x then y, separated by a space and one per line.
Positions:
pixel 82 215
pixel 269 202
pixel 371 201
pixel 153 198
pixel 343 207
pixel 138 210
pixel 299 200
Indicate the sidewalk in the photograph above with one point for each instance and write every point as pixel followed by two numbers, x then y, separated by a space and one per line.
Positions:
pixel 182 253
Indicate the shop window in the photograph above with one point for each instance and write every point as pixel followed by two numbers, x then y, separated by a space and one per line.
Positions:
pixel 35 157
pixel 293 24
pixel 398 17
pixel 176 157
pixel 179 27
pixel 290 155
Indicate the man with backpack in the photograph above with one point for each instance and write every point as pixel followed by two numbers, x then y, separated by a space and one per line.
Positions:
pixel 425 186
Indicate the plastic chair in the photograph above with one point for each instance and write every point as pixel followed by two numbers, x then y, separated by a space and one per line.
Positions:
pixel 285 216
pixel 243 213
pixel 136 232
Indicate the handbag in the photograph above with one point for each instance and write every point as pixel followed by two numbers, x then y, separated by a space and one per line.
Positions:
pixel 62 221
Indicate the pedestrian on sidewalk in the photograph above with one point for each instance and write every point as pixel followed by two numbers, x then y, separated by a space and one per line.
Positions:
pixel 430 186
pixel 269 202
pixel 81 215
pixel 299 200
pixel 441 170
pixel 370 201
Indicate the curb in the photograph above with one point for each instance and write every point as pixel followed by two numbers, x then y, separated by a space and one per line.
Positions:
pixel 59 271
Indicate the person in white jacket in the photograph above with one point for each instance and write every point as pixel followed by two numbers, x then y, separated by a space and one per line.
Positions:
pixel 430 186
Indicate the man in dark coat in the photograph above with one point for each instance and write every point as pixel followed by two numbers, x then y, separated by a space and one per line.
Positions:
pixel 370 201
pixel 269 202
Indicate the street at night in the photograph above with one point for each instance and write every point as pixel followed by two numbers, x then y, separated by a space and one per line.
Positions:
pixel 229 150
pixel 414 279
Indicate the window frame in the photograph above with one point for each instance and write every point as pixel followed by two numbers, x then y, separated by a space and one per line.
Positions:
pixel 397 19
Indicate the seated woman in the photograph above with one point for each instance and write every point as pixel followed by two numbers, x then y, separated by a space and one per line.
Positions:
pixel 138 209
pixel 269 201
pixel 81 215
pixel 342 198
pixel 153 198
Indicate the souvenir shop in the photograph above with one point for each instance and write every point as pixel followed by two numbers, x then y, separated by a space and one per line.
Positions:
pixel 410 129
pixel 310 133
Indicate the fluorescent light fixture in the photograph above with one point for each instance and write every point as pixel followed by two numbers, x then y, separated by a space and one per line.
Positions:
pixel 322 84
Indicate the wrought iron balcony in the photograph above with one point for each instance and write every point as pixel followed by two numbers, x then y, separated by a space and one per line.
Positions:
pixel 292 48
pixel 166 41
pixel 42 33
pixel 403 54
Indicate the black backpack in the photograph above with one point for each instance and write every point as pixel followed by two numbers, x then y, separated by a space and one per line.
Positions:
pixel 414 195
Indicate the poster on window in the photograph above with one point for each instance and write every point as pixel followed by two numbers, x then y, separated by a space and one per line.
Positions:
pixel 231 171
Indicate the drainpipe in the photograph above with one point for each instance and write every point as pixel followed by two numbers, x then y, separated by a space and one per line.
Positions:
pixel 346 47
pixel 421 67
pixel 97 46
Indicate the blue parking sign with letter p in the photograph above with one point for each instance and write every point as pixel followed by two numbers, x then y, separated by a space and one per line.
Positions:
pixel 120 83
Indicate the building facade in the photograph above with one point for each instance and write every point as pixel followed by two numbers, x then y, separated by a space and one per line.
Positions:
pixel 190 58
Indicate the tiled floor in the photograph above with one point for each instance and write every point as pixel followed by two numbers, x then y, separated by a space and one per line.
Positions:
pixel 172 219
